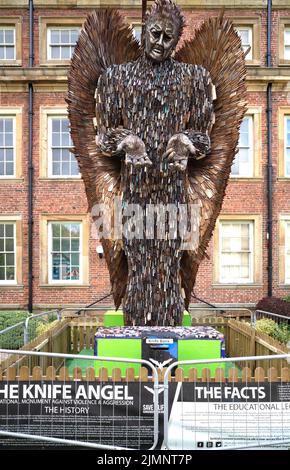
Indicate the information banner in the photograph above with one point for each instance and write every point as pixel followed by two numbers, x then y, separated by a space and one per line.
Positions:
pixel 207 416
pixel 118 413
pixel 224 415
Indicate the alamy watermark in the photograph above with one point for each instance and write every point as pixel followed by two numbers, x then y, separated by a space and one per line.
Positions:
pixel 150 222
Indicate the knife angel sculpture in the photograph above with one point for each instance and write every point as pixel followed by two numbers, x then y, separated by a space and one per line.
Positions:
pixel 157 130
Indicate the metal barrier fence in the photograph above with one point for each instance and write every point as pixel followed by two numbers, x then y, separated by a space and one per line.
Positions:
pixel 192 309
pixel 82 400
pixel 221 309
pixel 76 310
pixel 75 401
pixel 262 314
pixel 20 334
pixel 278 326
pixel 12 336
pixel 226 410
pixel 34 324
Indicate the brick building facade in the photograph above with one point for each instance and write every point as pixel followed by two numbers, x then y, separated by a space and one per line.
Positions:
pixel 66 267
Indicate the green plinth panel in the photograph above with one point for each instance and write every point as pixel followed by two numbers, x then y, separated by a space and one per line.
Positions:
pixel 111 347
pixel 199 349
pixel 189 349
pixel 116 318
pixel 186 319
pixel 113 318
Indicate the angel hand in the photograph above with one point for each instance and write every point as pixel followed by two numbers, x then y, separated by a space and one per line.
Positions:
pixel 178 150
pixel 135 152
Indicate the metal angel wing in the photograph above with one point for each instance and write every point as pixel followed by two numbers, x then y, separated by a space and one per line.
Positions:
pixel 104 40
pixel 217 47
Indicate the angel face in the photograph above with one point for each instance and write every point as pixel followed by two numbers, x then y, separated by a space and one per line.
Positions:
pixel 160 39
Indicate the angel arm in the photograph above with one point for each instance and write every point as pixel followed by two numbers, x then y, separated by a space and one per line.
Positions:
pixel 193 143
pixel 108 120
pixel 200 142
pixel 113 139
pixel 201 114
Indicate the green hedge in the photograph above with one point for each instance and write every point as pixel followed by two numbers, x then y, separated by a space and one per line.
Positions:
pixel 8 318
pixel 14 339
pixel 278 331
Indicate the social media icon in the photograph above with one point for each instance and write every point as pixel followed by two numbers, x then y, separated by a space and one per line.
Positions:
pixel 209 444
pixel 218 444
pixel 200 444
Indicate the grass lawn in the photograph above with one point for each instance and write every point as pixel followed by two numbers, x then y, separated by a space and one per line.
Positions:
pixel 82 363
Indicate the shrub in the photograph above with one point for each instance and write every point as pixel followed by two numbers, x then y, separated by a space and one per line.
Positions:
pixel 43 327
pixel 283 333
pixel 8 318
pixel 14 339
pixel 274 305
pixel 267 326
pixel 39 325
pixel 280 332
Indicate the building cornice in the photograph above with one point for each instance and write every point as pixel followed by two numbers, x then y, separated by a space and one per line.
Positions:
pixel 136 4
pixel 55 78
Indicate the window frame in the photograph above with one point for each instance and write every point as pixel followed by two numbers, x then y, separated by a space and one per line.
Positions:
pixel 46 22
pixel 286 118
pixel 16 220
pixel 283 229
pixel 249 117
pixel 3 28
pixel 14 22
pixel 283 112
pixel 251 252
pixel 256 113
pixel 284 23
pixel 133 25
pixel 286 29
pixel 13 117
pixel 16 114
pixel 287 233
pixel 45 161
pixel 257 278
pixel 14 281
pixel 48 43
pixel 52 281
pixel 133 21
pixel 50 174
pixel 249 56
pixel 253 22
pixel 45 219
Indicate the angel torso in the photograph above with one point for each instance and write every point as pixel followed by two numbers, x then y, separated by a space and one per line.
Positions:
pixel 154 100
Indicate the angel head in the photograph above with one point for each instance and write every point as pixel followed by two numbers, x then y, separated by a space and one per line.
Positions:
pixel 163 27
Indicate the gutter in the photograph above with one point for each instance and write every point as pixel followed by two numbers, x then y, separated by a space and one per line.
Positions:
pixel 30 164
pixel 269 158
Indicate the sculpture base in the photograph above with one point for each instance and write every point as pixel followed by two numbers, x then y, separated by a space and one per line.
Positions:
pixel 116 318
pixel 159 345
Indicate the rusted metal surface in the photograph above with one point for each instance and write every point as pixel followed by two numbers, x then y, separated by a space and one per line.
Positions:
pixel 201 94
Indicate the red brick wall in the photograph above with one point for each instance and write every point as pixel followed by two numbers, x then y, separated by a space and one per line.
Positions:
pixel 13 200
pixel 69 197
pixel 194 19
